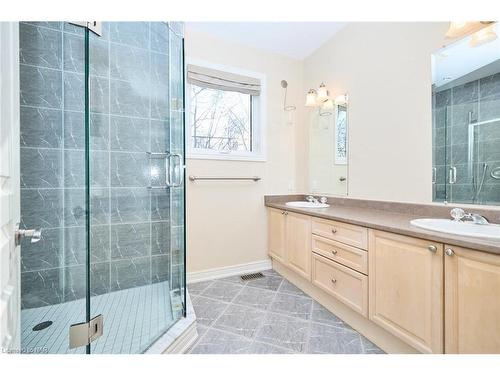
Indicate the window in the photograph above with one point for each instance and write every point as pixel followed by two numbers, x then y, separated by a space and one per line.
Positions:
pixel 223 115
pixel 341 135
pixel 220 120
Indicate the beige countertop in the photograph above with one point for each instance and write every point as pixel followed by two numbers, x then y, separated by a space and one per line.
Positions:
pixel 395 222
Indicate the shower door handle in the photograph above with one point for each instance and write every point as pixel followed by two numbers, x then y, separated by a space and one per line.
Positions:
pixel 19 234
pixel 171 170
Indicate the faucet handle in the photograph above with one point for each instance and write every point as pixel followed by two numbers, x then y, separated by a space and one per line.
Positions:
pixel 457 214
pixel 323 200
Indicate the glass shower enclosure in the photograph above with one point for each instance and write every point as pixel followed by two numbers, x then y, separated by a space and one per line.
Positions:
pixel 466 123
pixel 102 177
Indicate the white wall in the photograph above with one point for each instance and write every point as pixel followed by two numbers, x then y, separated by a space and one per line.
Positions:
pixel 385 68
pixel 226 221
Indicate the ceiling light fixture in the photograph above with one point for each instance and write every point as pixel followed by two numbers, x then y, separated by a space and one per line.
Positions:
pixel 463 28
pixel 483 36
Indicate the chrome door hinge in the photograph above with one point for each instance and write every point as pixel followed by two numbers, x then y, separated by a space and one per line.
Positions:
pixel 94 26
pixel 82 334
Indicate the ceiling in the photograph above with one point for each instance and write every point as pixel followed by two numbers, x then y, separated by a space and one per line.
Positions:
pixel 293 39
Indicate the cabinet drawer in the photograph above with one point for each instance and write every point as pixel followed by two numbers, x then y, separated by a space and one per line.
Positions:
pixel 349 256
pixel 346 233
pixel 348 286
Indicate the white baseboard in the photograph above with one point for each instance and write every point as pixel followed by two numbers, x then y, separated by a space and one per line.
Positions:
pixel 236 270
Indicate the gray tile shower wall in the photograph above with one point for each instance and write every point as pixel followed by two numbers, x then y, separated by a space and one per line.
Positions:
pixel 129 86
pixel 480 98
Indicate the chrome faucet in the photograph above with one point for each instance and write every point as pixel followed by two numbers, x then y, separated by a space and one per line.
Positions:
pixel 475 218
pixel 311 199
pixel 459 214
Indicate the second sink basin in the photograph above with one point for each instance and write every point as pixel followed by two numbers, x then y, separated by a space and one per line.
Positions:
pixel 460 228
pixel 303 204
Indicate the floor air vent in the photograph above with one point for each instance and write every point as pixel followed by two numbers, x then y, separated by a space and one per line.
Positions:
pixel 251 276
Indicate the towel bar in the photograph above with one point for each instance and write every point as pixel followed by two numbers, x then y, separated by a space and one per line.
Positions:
pixel 253 178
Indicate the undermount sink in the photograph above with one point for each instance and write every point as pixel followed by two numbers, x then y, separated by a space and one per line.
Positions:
pixel 459 227
pixel 303 204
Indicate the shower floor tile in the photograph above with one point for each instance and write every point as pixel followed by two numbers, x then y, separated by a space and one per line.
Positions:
pixel 133 319
pixel 269 315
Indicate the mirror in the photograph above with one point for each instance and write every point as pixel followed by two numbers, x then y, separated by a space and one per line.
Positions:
pixel 328 148
pixel 466 120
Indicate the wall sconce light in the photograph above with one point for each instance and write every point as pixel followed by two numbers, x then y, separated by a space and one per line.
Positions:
pixel 320 98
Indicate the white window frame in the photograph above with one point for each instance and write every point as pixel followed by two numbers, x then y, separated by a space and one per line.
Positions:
pixel 258 114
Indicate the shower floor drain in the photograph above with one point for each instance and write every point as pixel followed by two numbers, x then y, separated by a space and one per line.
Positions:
pixel 42 325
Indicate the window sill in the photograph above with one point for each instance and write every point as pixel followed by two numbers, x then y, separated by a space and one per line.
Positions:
pixel 226 157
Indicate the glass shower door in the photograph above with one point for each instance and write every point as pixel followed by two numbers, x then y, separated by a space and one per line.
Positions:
pixel 136 190
pixel 52 112
pixel 102 155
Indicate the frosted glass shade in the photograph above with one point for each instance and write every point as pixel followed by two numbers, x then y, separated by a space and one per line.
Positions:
pixel 311 98
pixel 322 93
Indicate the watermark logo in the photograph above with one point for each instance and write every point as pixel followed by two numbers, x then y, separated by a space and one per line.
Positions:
pixel 26 350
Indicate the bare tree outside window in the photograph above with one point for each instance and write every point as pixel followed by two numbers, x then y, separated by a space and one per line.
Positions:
pixel 221 120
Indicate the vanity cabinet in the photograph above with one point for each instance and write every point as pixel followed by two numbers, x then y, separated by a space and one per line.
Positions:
pixel 406 288
pixel 472 301
pixel 436 298
pixel 276 234
pixel 290 240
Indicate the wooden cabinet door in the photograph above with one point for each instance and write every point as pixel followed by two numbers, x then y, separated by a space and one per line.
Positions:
pixel 298 243
pixel 472 301
pixel 276 234
pixel 406 289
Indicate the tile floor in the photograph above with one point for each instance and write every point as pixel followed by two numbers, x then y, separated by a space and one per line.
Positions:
pixel 268 316
pixel 133 318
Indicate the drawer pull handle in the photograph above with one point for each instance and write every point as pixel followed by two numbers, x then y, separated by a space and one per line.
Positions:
pixel 334 230
pixel 432 248
pixel 449 252
pixel 334 281
pixel 334 252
